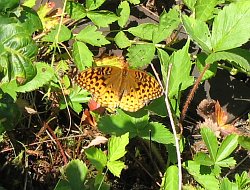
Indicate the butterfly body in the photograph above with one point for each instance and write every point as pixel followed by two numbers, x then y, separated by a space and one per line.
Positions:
pixel 114 87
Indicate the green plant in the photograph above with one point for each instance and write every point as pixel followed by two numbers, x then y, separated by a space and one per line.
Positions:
pixel 34 56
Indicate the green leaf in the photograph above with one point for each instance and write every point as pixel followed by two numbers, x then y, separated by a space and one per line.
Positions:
pixel 164 60
pixel 96 157
pixel 208 181
pixel 121 40
pixel 204 9
pixel 44 75
pixel 29 3
pixel 168 23
pixel 64 34
pixel 75 10
pixel 144 31
pixel 201 63
pixel 116 147
pixel 92 5
pixel 190 4
pixel 76 97
pixel 158 107
pixel 180 78
pixel 229 28
pixel 62 184
pixel 115 167
pixel 102 18
pixel 226 185
pixel 198 31
pixel 135 2
pixel 91 36
pixel 17 52
pixel 99 183
pixel 203 159
pixel 8 5
pixel 76 172
pixel 228 162
pixel 227 147
pixel 141 54
pixel 122 123
pixel 123 12
pixel 83 57
pixel 211 142
pixel 9 112
pixel 244 141
pixel 170 179
pixel 242 180
pixel 159 133
pixel 237 58
pixel 30 20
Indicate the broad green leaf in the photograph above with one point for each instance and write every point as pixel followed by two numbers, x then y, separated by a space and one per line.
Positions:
pixel 62 184
pixel 123 12
pixel 234 56
pixel 164 60
pixel 97 158
pixel 144 31
pixel 201 63
pixel 158 107
pixel 168 23
pixel 116 147
pixel 8 5
pixel 228 162
pixel 170 179
pixel 190 4
pixel 30 20
pixel 29 3
pixel 180 77
pixel 43 76
pixel 159 133
pixel 10 88
pixel 115 167
pixel 122 40
pixel 76 97
pixel 227 147
pixel 83 57
pixel 75 10
pixel 208 181
pixel 122 123
pixel 204 9
pixel 244 141
pixel 17 53
pixel 211 142
pixel 91 36
pixel 226 185
pixel 198 31
pixel 92 5
pixel 10 113
pixel 230 28
pixel 141 54
pixel 135 2
pixel 203 159
pixel 63 35
pixel 76 172
pixel 102 18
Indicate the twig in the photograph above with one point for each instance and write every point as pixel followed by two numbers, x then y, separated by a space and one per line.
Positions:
pixel 173 128
pixel 57 143
pixel 191 95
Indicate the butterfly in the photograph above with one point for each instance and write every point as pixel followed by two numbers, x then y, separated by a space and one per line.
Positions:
pixel 114 87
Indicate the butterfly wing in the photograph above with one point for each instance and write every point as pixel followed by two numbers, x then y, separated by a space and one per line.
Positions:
pixel 103 83
pixel 138 89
